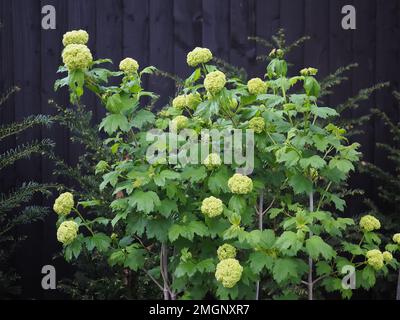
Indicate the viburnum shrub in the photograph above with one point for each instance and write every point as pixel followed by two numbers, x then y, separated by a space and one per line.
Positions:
pixel 202 219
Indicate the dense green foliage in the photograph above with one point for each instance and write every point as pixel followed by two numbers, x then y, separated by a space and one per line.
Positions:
pixel 13 209
pixel 276 233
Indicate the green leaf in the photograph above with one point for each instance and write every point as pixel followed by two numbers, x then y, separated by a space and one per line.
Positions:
pixel 73 249
pixel 144 201
pixel 290 158
pixel 114 103
pixel 193 174
pixel 261 239
pixel 285 269
pixel 100 241
pixel 368 277
pixel 135 258
pixel 167 207
pixel 109 178
pixel 315 247
pixel 289 242
pixel 320 142
pixel 113 122
pixel 160 178
pixel 217 182
pixel 352 248
pixel 259 260
pixel 323 112
pixel 185 268
pixel 315 162
pixel 323 268
pixel 339 203
pixel 341 164
pixel 311 86
pixel 206 265
pixel 300 184
pixel 187 231
pixel 142 118
pixel 116 258
pixel 237 203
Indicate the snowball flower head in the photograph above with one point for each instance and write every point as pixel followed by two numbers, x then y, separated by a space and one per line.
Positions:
pixel 129 66
pixel 240 184
pixel 228 272
pixel 67 232
pixel 192 100
pixel 396 238
pixel 387 256
pixel 212 207
pixel 75 37
pixel 213 160
pixel 77 56
pixel 226 251
pixel 178 123
pixel 179 102
pixel 214 82
pixel 198 55
pixel 369 223
pixel 375 259
pixel 256 86
pixel 64 204
pixel 257 124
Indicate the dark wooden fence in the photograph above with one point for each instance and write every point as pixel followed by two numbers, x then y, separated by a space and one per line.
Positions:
pixel 160 33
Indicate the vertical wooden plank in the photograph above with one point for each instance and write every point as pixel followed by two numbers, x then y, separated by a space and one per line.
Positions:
pixel 292 20
pixel 50 59
pixel 316 50
pixel 340 49
pixel 242 25
pixel 216 27
pixel 364 43
pixel 136 32
pixel 27 73
pixel 267 24
pixel 108 36
pixel 7 114
pixel 187 33
pixel 387 66
pixel 162 46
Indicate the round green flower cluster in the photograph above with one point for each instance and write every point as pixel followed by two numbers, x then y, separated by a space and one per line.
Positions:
pixel 192 100
pixel 308 72
pixel 228 272
pixel 396 238
pixel 212 161
pixel 257 124
pixel 387 256
pixel 256 86
pixel 129 66
pixel 369 223
pixel 226 251
pixel 179 102
pixel 198 55
pixel 64 204
pixel 240 184
pixel 178 123
pixel 67 232
pixel 276 53
pixel 375 259
pixel 214 82
pixel 212 207
pixel 77 56
pixel 75 37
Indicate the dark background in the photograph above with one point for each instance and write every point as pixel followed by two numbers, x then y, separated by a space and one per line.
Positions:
pixel 160 33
